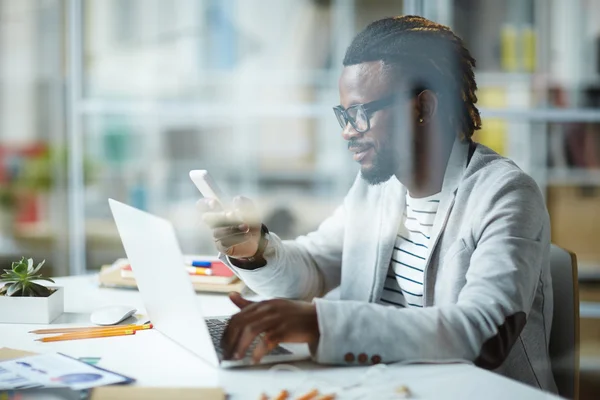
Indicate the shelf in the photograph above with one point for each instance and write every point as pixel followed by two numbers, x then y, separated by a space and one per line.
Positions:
pixel 589 309
pixel 248 78
pixel 203 110
pixel 484 79
pixel 97 230
pixel 296 176
pixel 588 271
pixel 542 115
pixel 235 173
pixel 573 176
pixel 589 276
pixel 207 110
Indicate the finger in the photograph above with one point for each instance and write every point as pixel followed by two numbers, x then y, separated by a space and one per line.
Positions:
pixel 239 301
pixel 246 209
pixel 249 314
pixel 263 348
pixel 202 206
pixel 206 204
pixel 229 339
pixel 236 324
pixel 251 332
pixel 220 219
pixel 276 335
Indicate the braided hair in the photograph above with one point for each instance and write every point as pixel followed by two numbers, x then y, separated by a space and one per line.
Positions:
pixel 426 55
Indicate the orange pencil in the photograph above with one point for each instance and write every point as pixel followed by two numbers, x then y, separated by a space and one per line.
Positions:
pixel 92 329
pixel 115 329
pixel 309 396
pixel 327 397
pixel 283 395
pixel 85 335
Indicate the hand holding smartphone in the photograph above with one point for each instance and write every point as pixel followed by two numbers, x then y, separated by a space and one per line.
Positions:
pixel 235 226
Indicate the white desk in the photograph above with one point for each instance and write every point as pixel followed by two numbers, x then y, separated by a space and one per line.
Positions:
pixel 156 361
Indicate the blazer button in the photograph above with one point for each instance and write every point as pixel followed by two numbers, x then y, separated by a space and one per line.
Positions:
pixel 349 357
pixel 376 359
pixel 362 358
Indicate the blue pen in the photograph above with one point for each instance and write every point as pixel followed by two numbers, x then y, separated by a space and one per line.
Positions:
pixel 202 264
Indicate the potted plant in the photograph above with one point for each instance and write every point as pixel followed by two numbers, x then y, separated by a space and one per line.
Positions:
pixel 24 301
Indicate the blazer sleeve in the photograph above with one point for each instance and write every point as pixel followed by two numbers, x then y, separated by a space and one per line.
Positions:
pixel 304 268
pixel 511 232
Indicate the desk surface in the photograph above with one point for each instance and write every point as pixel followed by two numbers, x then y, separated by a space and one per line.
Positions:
pixel 154 360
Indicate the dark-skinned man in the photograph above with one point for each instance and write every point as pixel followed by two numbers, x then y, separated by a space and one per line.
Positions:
pixel 440 249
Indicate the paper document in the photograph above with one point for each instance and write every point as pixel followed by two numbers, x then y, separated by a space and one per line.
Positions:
pixel 53 371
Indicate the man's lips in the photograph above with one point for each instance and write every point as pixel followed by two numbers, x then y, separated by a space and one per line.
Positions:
pixel 359 152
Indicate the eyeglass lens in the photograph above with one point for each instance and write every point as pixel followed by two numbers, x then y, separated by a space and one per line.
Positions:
pixel 357 116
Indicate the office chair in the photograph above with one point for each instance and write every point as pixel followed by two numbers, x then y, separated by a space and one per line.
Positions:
pixel 564 334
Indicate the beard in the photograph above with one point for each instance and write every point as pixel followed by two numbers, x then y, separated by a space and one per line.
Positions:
pixel 383 167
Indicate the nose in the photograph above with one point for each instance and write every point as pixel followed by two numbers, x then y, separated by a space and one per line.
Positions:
pixel 350 133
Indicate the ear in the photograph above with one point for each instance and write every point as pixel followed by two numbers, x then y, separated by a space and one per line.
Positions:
pixel 427 103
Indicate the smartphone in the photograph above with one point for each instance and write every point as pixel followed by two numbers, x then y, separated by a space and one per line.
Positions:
pixel 207 186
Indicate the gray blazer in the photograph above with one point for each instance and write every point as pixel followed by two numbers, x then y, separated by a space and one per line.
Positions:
pixel 487 289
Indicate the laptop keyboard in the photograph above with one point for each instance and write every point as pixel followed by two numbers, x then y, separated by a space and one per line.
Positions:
pixel 216 327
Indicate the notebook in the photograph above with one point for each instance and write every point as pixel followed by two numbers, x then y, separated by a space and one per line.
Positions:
pixel 111 277
pixel 218 273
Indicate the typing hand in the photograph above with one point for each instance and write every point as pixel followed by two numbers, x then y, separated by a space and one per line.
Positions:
pixel 236 232
pixel 276 321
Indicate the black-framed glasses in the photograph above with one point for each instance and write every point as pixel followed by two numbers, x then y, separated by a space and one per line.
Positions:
pixel 359 115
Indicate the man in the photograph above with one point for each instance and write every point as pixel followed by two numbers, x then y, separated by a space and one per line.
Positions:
pixel 442 257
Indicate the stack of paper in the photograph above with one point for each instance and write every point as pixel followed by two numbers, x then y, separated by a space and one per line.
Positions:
pixel 54 371
pixel 111 392
pixel 219 279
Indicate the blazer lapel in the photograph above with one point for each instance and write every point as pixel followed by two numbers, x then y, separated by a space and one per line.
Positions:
pixel 454 171
pixel 392 205
pixel 364 239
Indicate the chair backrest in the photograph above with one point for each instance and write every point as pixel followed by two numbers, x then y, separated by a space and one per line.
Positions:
pixel 564 334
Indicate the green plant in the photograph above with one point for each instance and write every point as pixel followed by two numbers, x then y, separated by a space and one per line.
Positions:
pixel 8 200
pixel 19 281
pixel 39 173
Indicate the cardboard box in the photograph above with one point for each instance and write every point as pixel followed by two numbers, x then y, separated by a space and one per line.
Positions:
pixel 575 220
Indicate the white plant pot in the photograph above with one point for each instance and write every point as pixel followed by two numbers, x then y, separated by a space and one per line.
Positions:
pixel 32 310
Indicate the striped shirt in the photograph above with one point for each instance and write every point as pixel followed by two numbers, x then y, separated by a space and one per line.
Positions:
pixel 403 286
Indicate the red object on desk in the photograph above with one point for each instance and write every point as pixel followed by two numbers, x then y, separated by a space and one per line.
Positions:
pixel 217 269
pixel 220 269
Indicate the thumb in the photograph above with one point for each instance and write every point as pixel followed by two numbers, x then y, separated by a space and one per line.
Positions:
pixel 247 211
pixel 239 301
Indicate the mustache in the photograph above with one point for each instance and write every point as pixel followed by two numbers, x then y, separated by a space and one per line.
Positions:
pixel 355 144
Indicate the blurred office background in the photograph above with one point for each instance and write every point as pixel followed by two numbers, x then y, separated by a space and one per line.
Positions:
pixel 121 98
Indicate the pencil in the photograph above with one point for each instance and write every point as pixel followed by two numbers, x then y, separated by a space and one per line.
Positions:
pixel 309 396
pixel 85 335
pixel 327 397
pixel 92 329
pixel 201 264
pixel 199 271
pixel 283 395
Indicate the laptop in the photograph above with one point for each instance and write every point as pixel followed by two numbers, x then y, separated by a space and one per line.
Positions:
pixel 168 295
